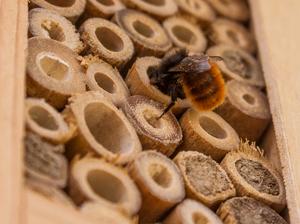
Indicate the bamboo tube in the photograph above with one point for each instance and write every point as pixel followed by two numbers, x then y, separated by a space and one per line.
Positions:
pixel 198 10
pixel 43 163
pixel 233 9
pixel 146 33
pixel 224 31
pixel 245 210
pixel 50 192
pixel 208 133
pixel 246 109
pixel 104 215
pixel 49 24
pixel 157 8
pixel 102 8
pixel 107 40
pixel 164 134
pixel 45 121
pixel 102 77
pixel 205 180
pixel 53 71
pixel 253 176
pixel 238 65
pixel 138 83
pixel 160 184
pixel 71 9
pixel 102 129
pixel 95 180
pixel 185 34
pixel 192 212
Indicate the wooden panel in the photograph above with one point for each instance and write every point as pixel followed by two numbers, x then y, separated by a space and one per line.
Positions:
pixel 12 63
pixel 276 24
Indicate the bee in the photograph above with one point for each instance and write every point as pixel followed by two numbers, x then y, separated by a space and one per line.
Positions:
pixel 196 77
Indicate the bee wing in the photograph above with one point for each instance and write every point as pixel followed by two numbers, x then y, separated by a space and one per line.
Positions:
pixel 192 64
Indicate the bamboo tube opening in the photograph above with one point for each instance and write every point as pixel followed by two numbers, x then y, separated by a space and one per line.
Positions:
pixel 54 67
pixel 183 34
pixel 100 182
pixel 98 123
pixel 156 2
pixel 54 30
pixel 198 218
pixel 65 3
pixel 249 99
pixel 105 82
pixel 143 29
pixel 212 127
pixel 43 118
pixel 109 39
pixel 106 185
pixel 106 2
pixel 160 175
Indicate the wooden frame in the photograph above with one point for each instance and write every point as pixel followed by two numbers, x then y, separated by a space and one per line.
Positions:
pixel 275 25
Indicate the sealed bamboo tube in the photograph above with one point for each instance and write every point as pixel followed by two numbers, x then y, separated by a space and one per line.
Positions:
pixel 102 8
pixel 205 180
pixel 101 129
pixel 106 40
pixel 53 71
pixel 71 9
pixel 208 133
pixel 146 33
pixel 103 214
pixel 246 109
pixel 43 163
pixel 192 212
pixel 138 82
pixel 244 210
pixel 238 64
pixel 50 192
pixel 185 34
pixel 157 8
pixel 163 134
pixel 233 9
pixel 160 184
pixel 197 10
pixel 254 176
pixel 224 31
pixel 102 77
pixel 95 180
pixel 49 24
pixel 45 121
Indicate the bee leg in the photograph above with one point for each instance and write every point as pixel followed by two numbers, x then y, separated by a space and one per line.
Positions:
pixel 173 94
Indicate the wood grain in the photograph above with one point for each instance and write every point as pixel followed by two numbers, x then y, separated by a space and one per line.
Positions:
pixel 13 43
pixel 276 24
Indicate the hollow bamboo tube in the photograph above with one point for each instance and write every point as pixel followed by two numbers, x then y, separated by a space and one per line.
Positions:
pixel 185 34
pixel 198 11
pixel 95 180
pixel 43 163
pixel 247 210
pixel 71 9
pixel 149 38
pixel 157 8
pixel 164 134
pixel 246 109
pixel 224 31
pixel 53 72
pixel 234 9
pixel 49 24
pixel 205 180
pixel 238 64
pixel 254 176
pixel 102 8
pixel 102 129
pixel 192 212
pixel 208 133
pixel 138 83
pixel 102 77
pixel 103 214
pixel 107 40
pixel 45 121
pixel 160 184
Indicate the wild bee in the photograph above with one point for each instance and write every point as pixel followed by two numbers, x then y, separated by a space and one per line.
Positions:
pixel 195 77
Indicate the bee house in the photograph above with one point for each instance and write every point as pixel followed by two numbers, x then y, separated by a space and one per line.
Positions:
pixel 85 134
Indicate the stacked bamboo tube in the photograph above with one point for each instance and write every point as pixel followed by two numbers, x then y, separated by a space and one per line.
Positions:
pixel 91 114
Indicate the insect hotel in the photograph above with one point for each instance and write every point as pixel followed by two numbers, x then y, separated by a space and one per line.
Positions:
pixel 149 111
